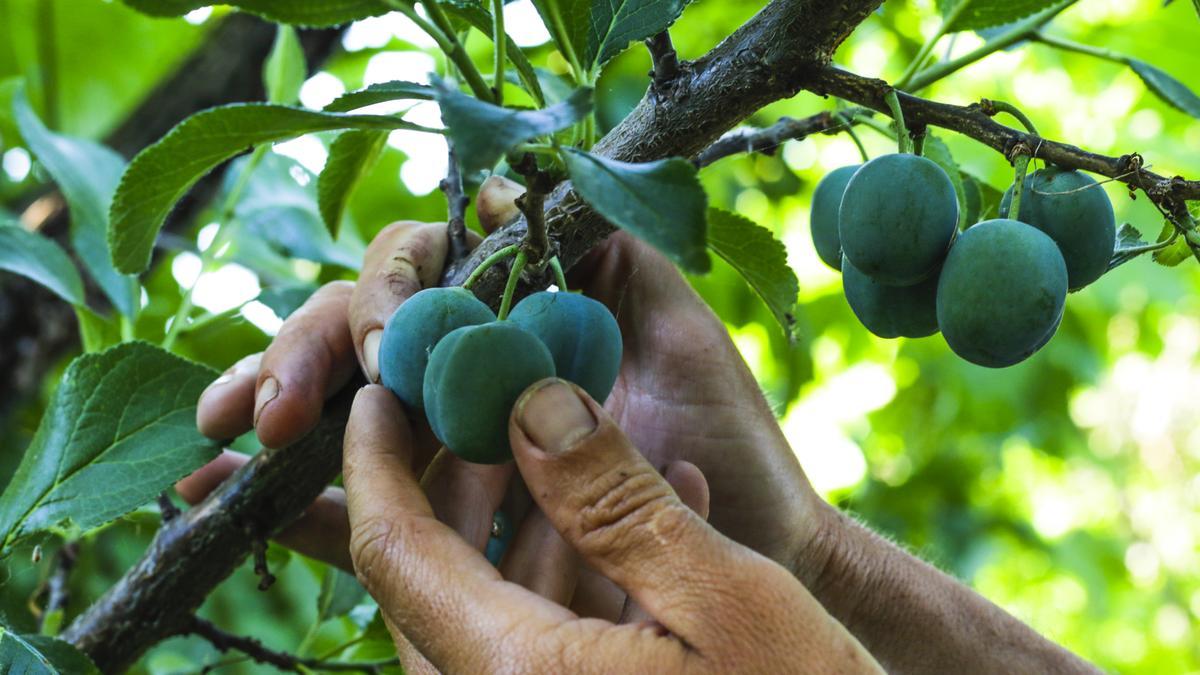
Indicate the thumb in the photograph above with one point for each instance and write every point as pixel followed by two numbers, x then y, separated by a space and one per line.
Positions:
pixel 621 515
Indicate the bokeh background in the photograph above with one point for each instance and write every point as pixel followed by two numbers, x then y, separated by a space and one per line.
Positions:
pixel 1065 489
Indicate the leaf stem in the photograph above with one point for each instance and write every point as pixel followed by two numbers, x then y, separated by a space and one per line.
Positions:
pixel 1067 45
pixel 488 262
pixel 1001 106
pixel 514 276
pixel 560 279
pixel 500 40
pixel 849 121
pixel 927 48
pixel 441 30
pixel 905 141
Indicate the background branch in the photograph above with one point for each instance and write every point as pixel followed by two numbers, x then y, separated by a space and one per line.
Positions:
pixel 257 651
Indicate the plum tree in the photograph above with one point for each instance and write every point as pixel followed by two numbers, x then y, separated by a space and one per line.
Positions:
pixel 891 311
pixel 1073 209
pixel 475 375
pixel 826 203
pixel 580 333
pixel 415 328
pixel 898 217
pixel 1001 293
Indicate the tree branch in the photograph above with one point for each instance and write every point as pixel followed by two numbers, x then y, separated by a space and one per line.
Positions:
pixel 664 58
pixel 456 201
pixel 767 139
pixel 198 549
pixel 257 651
pixel 973 121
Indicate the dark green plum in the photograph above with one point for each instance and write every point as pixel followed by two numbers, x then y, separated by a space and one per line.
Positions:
pixel 580 333
pixel 415 328
pixel 1001 293
pixel 826 202
pixel 475 376
pixel 898 217
pixel 891 311
pixel 1073 209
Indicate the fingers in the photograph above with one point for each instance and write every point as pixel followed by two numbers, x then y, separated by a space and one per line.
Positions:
pixel 402 259
pixel 539 559
pixel 308 360
pixel 465 496
pixel 616 510
pixel 496 203
pixel 226 408
pixel 437 590
pixel 322 532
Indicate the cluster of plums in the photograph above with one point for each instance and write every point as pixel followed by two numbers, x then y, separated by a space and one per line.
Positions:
pixel 445 352
pixel 997 290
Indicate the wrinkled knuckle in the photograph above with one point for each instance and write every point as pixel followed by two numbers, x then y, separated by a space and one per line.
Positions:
pixel 628 506
pixel 373 543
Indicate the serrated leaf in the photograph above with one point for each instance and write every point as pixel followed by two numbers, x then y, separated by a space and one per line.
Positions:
pixel 120 429
pixel 481 19
pixel 340 593
pixel 295 12
pixel 161 174
pixel 381 92
pixel 661 202
pixel 937 151
pixel 1128 236
pixel 41 260
pixel 760 258
pixel 279 207
pixel 87 173
pixel 596 31
pixel 285 69
pixel 41 655
pixel 986 13
pixel 351 155
pixel 1166 87
pixel 482 132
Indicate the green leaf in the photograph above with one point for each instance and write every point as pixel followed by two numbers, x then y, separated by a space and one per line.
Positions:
pixel 351 156
pixel 161 174
pixel 87 173
pixel 988 13
pixel 482 132
pixel 1174 254
pixel 284 300
pixel 41 655
pixel 295 12
pixel 285 69
pixel 40 259
pixel 340 593
pixel 279 206
pixel 120 429
pixel 760 258
pixel 595 31
pixel 95 331
pixel 1166 87
pixel 662 202
pixel 381 92
pixel 937 151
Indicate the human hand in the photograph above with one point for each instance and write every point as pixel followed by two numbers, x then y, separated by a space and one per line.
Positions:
pixel 714 605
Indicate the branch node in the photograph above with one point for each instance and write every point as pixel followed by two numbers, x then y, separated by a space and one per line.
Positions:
pixel 537 245
pixel 665 59
pixel 266 579
pixel 167 508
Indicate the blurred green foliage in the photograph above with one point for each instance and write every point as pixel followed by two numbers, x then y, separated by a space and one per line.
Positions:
pixel 1066 489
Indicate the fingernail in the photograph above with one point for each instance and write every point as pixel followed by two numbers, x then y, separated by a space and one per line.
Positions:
pixel 554 417
pixel 267 392
pixel 371 354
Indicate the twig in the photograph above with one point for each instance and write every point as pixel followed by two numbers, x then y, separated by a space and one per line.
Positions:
pixel 532 204
pixel 259 548
pixel 57 589
pixel 255 649
pixel 767 139
pixel 456 201
pixel 664 57
pixel 167 508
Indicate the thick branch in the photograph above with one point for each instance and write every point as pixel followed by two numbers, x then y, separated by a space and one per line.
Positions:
pixel 972 121
pixel 766 60
pixel 198 549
